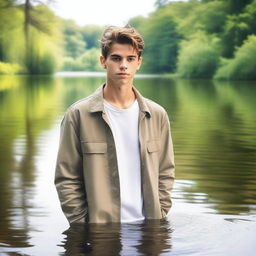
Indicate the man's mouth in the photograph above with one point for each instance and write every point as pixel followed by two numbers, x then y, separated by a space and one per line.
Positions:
pixel 123 74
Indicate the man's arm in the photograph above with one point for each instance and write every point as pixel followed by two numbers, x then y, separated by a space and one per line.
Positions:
pixel 69 179
pixel 166 167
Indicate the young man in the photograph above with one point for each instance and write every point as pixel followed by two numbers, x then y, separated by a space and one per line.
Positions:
pixel 115 160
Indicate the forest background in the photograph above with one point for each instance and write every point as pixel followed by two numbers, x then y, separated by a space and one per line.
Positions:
pixel 193 39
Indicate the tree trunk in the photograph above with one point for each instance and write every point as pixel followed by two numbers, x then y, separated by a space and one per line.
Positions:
pixel 26 33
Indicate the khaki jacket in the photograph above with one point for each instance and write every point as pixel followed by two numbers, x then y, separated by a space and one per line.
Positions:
pixel 86 175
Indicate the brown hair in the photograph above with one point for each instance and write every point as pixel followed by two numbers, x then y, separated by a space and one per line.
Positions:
pixel 121 35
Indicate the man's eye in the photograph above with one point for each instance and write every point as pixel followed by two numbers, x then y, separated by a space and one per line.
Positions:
pixel 115 58
pixel 131 59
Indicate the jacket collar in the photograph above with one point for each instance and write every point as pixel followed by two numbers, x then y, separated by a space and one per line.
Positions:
pixel 96 101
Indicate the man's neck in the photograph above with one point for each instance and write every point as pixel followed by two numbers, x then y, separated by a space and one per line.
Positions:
pixel 121 96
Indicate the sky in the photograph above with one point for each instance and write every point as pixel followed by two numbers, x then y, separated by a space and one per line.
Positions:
pixel 102 12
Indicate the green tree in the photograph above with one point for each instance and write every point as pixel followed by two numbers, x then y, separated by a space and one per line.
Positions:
pixel 198 57
pixel 31 27
pixel 209 17
pixel 243 65
pixel 161 39
pixel 37 18
pixel 161 3
pixel 91 35
pixel 10 20
pixel 137 22
pixel 236 6
pixel 237 29
pixel 74 45
pixel 90 60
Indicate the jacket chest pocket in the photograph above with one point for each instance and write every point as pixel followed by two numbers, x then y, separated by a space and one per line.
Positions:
pixel 94 156
pixel 153 148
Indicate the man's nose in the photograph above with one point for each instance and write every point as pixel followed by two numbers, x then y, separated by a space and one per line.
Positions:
pixel 123 64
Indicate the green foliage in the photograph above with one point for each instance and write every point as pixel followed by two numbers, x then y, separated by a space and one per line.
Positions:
pixel 41 63
pixel 209 17
pixel 9 68
pixel 236 6
pixel 137 22
pixel 35 51
pixel 11 33
pixel 161 40
pixel 243 65
pixel 230 22
pixel 43 19
pixel 237 29
pixel 70 64
pixel 39 27
pixel 91 35
pixel 88 61
pixel 165 28
pixel 182 13
pixel 198 57
pixel 42 49
pixel 161 3
pixel 74 45
pixel 187 36
pixel 81 47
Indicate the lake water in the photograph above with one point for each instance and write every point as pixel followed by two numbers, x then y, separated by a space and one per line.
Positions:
pixel 214 199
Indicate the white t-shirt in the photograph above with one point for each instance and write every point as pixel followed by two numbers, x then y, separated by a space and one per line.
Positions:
pixel 124 126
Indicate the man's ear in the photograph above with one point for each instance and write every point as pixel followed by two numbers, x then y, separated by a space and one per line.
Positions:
pixel 103 61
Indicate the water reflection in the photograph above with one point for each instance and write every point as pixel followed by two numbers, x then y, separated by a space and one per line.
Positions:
pixel 213 128
pixel 218 150
pixel 23 116
pixel 150 237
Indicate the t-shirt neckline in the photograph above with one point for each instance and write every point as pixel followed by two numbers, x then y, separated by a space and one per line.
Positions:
pixel 114 108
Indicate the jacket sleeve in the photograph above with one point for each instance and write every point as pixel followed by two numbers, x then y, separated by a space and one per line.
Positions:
pixel 166 167
pixel 69 179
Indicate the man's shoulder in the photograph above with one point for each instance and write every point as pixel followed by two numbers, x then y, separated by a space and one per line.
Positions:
pixel 84 104
pixel 149 105
pixel 80 104
pixel 154 107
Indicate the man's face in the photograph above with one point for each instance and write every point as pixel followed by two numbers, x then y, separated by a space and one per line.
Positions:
pixel 121 63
